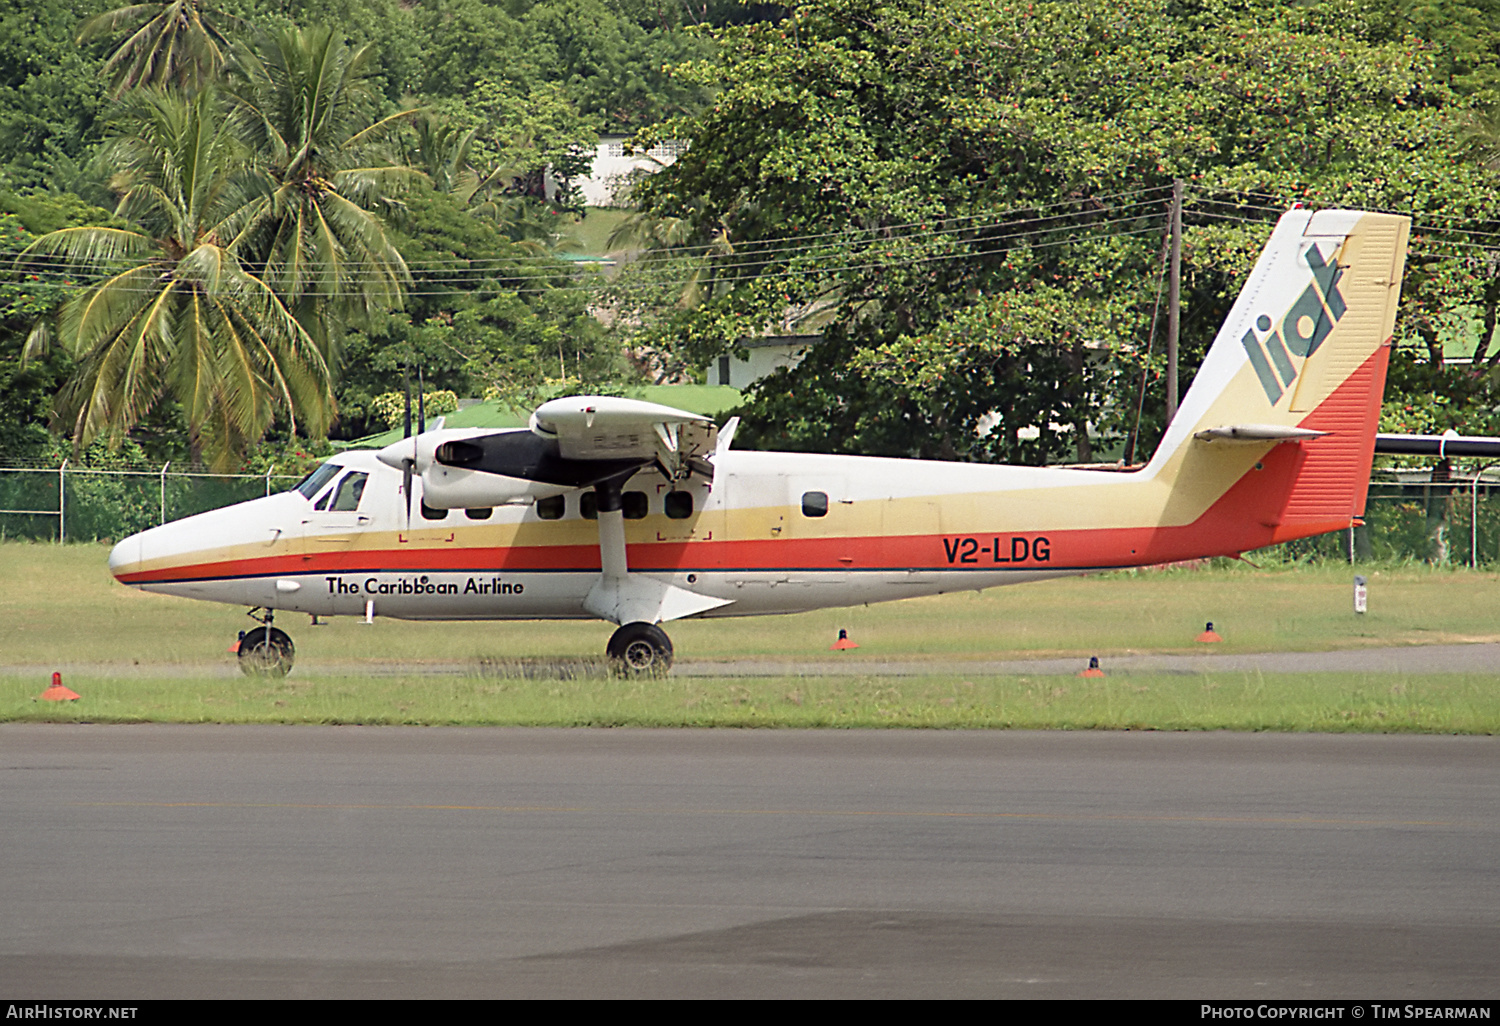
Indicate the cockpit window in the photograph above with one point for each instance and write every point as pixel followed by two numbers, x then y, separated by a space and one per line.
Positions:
pixel 310 484
pixel 350 489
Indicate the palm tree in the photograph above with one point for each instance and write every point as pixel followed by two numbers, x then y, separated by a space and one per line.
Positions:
pixel 305 109
pixel 1480 130
pixel 173 310
pixel 178 42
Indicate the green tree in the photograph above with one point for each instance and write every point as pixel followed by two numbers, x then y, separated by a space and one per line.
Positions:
pixel 50 91
pixel 483 315
pixel 170 308
pixel 612 68
pixel 178 42
pixel 981 189
pixel 306 110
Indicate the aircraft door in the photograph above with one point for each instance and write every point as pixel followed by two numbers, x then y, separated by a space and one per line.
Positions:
pixel 756 504
pixel 822 524
pixel 909 530
pixel 818 505
pixel 334 522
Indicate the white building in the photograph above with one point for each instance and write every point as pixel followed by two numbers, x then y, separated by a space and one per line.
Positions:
pixel 608 181
pixel 767 353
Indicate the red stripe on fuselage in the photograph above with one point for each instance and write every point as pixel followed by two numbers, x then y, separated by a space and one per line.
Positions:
pixel 1281 501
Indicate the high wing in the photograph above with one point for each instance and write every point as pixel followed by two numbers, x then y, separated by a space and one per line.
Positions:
pixel 589 427
pixel 586 441
pixel 574 442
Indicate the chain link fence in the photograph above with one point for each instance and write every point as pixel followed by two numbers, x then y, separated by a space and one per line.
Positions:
pixel 1455 521
pixel 1411 518
pixel 82 504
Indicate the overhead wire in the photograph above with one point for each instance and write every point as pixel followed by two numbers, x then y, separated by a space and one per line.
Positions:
pixel 466 271
pixel 734 273
pixel 797 258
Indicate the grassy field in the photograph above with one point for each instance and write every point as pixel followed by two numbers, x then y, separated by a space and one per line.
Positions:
pixel 593 230
pixel 137 656
pixel 1229 701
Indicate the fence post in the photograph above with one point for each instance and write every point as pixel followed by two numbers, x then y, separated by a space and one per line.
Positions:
pixel 268 478
pixel 1474 517
pixel 62 503
pixel 164 467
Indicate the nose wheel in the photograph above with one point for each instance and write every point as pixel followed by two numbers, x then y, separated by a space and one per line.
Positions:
pixel 639 649
pixel 266 652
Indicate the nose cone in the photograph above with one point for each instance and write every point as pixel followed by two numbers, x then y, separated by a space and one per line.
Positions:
pixel 125 557
pixel 396 453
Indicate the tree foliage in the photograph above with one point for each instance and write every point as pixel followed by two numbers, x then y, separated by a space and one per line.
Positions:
pixel 982 194
pixel 174 309
pixel 177 42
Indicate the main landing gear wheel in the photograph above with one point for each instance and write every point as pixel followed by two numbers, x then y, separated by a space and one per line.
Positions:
pixel 266 652
pixel 639 649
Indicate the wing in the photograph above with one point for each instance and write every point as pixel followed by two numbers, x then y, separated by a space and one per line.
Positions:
pixel 576 442
pixel 596 427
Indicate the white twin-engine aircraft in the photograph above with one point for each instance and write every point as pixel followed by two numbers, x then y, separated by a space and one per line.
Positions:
pixel 639 514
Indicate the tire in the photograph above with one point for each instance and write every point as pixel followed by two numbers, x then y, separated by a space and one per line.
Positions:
pixel 266 652
pixel 639 649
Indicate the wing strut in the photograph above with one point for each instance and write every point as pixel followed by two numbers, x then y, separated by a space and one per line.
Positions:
pixel 622 597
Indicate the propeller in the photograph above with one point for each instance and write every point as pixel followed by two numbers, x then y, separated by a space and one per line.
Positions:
pixel 411 461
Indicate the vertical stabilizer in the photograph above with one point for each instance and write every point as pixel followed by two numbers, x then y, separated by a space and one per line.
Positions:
pixel 1304 347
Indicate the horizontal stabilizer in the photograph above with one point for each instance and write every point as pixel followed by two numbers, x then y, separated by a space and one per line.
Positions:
pixel 1257 433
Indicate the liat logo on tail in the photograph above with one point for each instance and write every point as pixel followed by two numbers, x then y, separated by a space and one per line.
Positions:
pixel 1302 329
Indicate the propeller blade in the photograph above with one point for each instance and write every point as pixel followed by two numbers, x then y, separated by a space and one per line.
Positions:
pixel 408 463
pixel 406 468
pixel 421 402
pixel 406 387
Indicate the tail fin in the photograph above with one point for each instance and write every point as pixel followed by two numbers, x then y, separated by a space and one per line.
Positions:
pixel 1279 425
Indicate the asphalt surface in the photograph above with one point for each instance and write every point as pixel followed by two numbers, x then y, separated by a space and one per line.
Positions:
pixel 210 861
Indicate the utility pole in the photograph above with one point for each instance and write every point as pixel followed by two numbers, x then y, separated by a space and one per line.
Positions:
pixel 1174 297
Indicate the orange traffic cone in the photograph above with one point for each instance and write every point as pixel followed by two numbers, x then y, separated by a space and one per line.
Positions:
pixel 57 693
pixel 1209 636
pixel 1093 670
pixel 842 643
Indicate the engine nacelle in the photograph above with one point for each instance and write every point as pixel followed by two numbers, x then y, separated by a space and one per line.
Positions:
pixel 456 488
pixel 466 468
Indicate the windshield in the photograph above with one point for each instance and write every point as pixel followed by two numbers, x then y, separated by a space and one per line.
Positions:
pixel 310 484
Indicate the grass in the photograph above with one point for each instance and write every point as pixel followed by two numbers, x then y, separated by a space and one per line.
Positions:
pixel 136 657
pixel 1227 701
pixel 593 230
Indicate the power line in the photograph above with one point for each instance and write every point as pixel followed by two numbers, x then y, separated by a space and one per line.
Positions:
pixel 54 264
pixel 733 278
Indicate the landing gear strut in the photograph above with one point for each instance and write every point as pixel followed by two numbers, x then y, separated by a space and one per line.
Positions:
pixel 266 651
pixel 640 649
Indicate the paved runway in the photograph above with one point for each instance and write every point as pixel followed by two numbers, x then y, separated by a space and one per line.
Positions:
pixel 173 861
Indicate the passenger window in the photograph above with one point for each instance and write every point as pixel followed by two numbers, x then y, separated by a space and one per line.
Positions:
pixel 552 508
pixel 428 513
pixel 815 504
pixel 588 506
pixel 479 513
pixel 678 505
pixel 349 492
pixel 634 505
